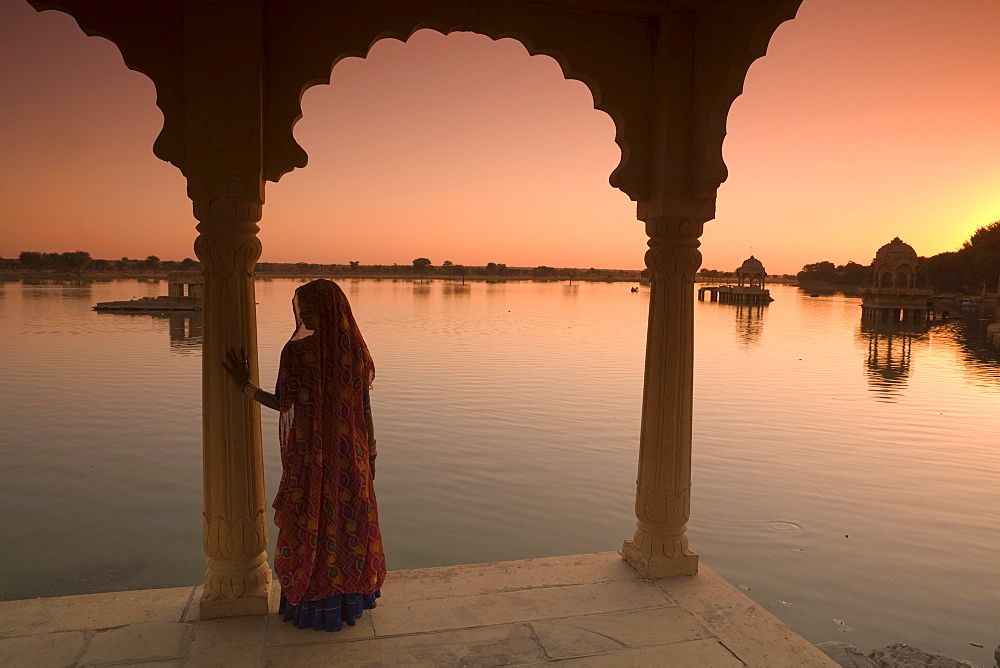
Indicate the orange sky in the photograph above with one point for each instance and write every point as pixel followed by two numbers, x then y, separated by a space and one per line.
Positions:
pixel 866 120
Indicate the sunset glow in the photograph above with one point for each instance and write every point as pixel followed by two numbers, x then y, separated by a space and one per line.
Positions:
pixel 867 119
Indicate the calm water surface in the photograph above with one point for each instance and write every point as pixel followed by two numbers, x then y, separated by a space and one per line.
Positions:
pixel 847 480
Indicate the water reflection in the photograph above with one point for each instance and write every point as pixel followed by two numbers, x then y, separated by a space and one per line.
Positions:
pixel 69 288
pixel 981 359
pixel 421 289
pixel 453 289
pixel 890 355
pixel 185 329
pixel 749 324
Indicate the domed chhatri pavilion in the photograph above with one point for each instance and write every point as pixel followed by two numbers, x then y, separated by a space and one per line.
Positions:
pixel 893 295
pixel 895 265
pixel 751 273
pixel 749 288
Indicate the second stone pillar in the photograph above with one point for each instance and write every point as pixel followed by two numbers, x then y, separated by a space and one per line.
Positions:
pixel 659 547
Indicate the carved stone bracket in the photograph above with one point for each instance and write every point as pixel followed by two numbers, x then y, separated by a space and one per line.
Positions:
pixel 663 486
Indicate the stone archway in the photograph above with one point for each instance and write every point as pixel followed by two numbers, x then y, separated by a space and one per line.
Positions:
pixel 229 78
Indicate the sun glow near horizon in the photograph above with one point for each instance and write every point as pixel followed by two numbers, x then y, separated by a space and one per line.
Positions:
pixel 866 120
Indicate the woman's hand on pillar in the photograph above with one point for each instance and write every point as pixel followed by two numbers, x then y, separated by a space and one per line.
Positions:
pixel 238 365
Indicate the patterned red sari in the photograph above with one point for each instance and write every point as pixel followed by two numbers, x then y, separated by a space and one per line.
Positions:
pixel 328 540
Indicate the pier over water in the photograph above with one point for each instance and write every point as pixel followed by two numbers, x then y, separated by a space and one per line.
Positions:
pixel 749 290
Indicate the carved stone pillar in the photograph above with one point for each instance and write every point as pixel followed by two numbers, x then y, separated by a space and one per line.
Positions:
pixel 238 579
pixel 663 487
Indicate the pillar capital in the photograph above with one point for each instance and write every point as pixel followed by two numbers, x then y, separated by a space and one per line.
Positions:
pixel 227 199
pixel 673 248
pixel 685 230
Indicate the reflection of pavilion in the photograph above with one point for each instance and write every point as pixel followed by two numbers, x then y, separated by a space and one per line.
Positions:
pixel 889 355
pixel 185 330
pixel 749 323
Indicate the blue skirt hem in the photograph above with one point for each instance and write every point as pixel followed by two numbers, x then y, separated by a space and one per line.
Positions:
pixel 327 614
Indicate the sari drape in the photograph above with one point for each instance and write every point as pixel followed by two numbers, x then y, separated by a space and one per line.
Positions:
pixel 329 541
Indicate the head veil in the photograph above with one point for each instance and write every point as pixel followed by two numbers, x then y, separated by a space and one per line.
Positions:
pixel 329 541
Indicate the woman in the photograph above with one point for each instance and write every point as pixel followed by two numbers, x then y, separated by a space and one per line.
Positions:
pixel 329 557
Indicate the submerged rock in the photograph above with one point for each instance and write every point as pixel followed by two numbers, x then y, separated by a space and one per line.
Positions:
pixel 846 654
pixel 904 656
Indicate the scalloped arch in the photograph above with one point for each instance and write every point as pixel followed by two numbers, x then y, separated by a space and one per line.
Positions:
pixel 152 48
pixel 754 47
pixel 295 156
pixel 669 99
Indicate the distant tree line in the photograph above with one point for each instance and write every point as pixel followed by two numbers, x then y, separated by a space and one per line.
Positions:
pixel 81 262
pixel 967 270
pixel 851 274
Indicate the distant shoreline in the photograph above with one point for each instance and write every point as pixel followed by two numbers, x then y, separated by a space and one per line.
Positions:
pixel 162 276
pixel 264 275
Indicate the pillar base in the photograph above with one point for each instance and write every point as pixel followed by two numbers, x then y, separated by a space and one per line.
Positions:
pixel 236 590
pixel 217 606
pixel 659 561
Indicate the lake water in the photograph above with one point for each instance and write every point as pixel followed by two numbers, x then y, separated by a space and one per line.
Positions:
pixel 851 490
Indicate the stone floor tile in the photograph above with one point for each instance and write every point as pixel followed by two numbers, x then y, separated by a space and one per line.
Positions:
pixel 91 611
pixel 396 618
pixel 691 654
pixel 170 663
pixel 148 641
pixel 280 632
pixel 471 580
pixel 564 641
pixel 51 649
pixel 594 634
pixel 236 641
pixel 192 612
pixel 489 646
pixel 748 630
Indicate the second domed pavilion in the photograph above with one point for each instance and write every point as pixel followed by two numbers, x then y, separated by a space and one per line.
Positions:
pixel 893 295
pixel 895 265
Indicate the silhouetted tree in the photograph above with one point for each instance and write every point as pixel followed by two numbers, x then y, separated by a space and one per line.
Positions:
pixel 542 271
pixel 421 264
pixel 969 269
pixel 76 261
pixel 30 260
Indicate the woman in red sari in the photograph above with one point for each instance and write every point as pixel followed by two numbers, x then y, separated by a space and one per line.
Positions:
pixel 329 557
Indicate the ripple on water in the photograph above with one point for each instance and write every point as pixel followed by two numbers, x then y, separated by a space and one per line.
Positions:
pixel 784 527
